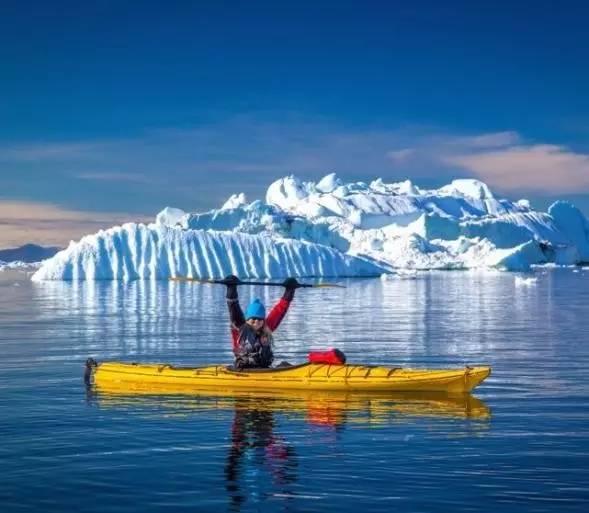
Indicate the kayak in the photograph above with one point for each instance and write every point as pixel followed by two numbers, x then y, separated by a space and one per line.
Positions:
pixel 307 376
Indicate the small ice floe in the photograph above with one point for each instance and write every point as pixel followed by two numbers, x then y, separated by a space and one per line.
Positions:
pixel 400 274
pixel 407 274
pixel 523 281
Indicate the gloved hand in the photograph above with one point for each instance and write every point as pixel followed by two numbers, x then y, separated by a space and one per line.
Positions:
pixel 231 282
pixel 290 284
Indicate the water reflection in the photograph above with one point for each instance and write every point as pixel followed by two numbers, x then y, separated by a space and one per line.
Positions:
pixel 260 461
pixel 134 318
pixel 334 409
pixel 400 319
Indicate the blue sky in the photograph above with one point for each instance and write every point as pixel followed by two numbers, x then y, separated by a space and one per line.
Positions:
pixel 124 109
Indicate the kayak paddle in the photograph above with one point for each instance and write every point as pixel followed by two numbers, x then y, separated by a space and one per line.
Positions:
pixel 266 283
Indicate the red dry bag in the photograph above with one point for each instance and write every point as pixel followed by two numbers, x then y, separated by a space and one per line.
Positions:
pixel 331 356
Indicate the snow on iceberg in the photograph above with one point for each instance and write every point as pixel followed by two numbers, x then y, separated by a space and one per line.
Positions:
pixel 569 220
pixel 462 225
pixel 333 228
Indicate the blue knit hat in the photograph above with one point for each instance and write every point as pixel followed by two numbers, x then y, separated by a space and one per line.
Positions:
pixel 255 309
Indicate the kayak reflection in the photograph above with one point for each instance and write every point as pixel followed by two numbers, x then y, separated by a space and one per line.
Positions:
pixel 317 407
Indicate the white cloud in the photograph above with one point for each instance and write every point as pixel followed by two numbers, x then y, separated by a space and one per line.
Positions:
pixel 400 156
pixel 543 168
pixel 113 176
pixel 491 140
pixel 199 168
pixel 246 154
pixel 48 152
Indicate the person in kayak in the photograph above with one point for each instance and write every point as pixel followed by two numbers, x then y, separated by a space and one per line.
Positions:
pixel 252 332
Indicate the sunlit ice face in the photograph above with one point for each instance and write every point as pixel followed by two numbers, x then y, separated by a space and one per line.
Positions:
pixel 255 323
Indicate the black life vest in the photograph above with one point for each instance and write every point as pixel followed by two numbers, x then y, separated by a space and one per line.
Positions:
pixel 254 349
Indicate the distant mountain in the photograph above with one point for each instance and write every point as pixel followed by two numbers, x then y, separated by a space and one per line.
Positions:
pixel 28 253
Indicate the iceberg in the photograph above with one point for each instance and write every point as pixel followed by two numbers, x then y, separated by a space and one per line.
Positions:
pixel 136 251
pixel 333 228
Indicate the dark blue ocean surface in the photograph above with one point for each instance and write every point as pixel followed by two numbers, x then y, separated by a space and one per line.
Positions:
pixel 520 443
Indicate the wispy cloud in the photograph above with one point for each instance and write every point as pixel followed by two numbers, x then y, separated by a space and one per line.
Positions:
pixel 400 156
pixel 115 177
pixel 504 160
pixel 198 168
pixel 48 152
pixel 491 140
pixel 44 223
pixel 538 168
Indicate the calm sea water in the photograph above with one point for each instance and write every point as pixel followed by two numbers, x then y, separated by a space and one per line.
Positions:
pixel 521 443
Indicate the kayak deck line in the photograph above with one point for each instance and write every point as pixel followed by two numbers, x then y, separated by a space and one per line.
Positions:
pixel 311 376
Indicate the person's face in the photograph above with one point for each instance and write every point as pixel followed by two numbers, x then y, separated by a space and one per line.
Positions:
pixel 255 323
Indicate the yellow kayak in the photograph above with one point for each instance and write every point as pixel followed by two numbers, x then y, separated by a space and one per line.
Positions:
pixel 307 376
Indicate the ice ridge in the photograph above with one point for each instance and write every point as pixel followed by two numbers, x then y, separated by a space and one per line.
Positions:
pixel 137 251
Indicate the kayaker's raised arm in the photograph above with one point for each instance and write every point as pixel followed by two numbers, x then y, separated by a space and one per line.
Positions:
pixel 251 332
pixel 279 310
pixel 235 312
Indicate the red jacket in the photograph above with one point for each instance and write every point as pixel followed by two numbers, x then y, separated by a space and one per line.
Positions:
pixel 273 319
